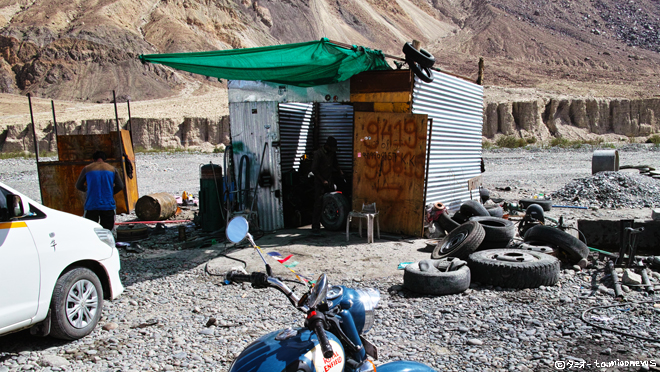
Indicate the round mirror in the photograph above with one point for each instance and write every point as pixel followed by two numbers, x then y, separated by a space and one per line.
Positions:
pixel 318 293
pixel 237 229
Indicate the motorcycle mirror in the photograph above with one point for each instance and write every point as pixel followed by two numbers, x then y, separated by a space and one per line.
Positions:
pixel 237 229
pixel 318 294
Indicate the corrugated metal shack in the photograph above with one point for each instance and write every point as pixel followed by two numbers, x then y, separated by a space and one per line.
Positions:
pixel 406 143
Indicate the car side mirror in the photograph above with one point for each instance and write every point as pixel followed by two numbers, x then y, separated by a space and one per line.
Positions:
pixel 14 206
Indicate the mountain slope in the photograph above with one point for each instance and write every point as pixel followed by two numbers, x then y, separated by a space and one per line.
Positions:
pixel 82 50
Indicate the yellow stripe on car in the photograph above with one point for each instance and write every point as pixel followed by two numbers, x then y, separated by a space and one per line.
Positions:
pixel 12 225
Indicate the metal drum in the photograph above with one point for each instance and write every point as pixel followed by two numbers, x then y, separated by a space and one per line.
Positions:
pixel 605 160
pixel 156 207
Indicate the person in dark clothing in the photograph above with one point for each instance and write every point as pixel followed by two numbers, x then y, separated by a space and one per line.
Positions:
pixel 101 181
pixel 323 166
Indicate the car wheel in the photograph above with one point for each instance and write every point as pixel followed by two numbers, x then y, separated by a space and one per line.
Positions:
pixel 513 268
pixel 76 304
pixel 460 242
pixel 335 210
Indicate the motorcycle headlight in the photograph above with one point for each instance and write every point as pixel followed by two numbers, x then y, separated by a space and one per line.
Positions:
pixel 369 298
pixel 106 237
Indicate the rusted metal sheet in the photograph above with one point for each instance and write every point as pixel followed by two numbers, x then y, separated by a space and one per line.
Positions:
pixel 389 162
pixel 80 147
pixel 58 178
pixel 156 207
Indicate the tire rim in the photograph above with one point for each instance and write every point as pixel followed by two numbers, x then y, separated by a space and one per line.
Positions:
pixel 449 246
pixel 513 257
pixel 331 210
pixel 82 304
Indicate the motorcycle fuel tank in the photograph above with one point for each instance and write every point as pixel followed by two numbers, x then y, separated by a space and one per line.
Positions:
pixel 294 348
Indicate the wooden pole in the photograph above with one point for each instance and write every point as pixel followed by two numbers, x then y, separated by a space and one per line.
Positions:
pixel 36 146
pixel 121 152
pixel 480 78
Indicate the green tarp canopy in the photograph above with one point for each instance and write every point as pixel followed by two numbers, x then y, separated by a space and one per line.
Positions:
pixel 302 64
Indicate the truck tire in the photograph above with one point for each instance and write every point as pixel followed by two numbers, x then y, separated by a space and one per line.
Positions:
pixel 433 278
pixel 513 268
pixel 571 246
pixel 460 242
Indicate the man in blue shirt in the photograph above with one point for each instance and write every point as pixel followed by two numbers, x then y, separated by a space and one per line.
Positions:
pixel 101 181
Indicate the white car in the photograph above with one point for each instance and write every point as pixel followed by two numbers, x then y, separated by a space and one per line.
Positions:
pixel 55 269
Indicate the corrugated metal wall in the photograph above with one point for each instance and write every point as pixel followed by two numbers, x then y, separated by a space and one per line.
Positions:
pixel 456 107
pixel 336 119
pixel 296 135
pixel 254 124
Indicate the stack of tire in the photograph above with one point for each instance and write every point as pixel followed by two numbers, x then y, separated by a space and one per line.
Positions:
pixel 481 240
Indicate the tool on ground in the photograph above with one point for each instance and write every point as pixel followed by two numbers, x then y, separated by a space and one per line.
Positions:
pixel 618 292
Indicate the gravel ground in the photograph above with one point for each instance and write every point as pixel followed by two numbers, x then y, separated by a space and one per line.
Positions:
pixel 159 323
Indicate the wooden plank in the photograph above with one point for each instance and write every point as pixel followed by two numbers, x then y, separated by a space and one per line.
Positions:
pixel 404 97
pixel 382 81
pixel 130 172
pixel 389 163
pixel 475 182
pixel 402 107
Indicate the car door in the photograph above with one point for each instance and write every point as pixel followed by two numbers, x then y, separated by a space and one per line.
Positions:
pixel 19 271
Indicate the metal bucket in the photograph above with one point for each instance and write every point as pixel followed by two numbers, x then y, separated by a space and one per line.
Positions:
pixel 156 207
pixel 605 160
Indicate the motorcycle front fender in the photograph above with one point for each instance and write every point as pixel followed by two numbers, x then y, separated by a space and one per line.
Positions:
pixel 300 352
pixel 404 366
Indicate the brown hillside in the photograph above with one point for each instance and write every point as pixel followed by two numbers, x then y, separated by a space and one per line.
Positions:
pixel 82 50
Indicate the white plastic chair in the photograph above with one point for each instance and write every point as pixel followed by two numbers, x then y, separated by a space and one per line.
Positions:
pixel 369 212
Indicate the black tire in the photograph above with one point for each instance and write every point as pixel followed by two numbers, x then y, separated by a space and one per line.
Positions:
pixel 571 246
pixel 131 233
pixel 513 268
pixel 496 211
pixel 460 218
pixel 74 282
pixel 447 222
pixel 544 203
pixel 473 208
pixel 335 211
pixel 499 232
pixel 435 281
pixel 460 242
pixel 421 56
pixel 425 74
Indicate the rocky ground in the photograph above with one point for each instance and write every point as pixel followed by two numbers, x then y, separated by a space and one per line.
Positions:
pixel 173 290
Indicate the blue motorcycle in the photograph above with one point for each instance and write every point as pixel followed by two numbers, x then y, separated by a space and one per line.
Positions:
pixel 332 339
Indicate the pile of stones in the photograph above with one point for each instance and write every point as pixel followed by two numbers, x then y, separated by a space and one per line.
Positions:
pixel 612 190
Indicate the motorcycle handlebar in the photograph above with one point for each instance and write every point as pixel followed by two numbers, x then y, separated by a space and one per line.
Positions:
pixel 261 280
pixel 326 348
pixel 239 278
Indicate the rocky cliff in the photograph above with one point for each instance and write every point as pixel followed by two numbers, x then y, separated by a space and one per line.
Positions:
pixel 191 133
pixel 572 118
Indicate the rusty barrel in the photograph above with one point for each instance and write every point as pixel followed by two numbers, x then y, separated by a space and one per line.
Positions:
pixel 156 207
